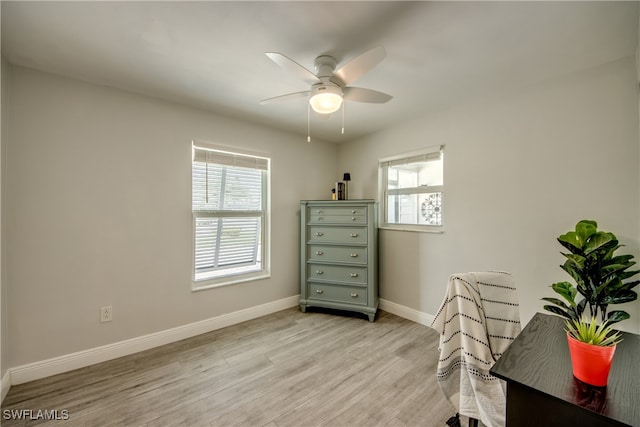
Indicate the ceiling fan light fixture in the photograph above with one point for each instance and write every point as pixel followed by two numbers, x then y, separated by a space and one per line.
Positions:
pixel 326 99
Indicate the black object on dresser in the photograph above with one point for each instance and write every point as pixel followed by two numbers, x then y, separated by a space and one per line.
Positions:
pixel 541 388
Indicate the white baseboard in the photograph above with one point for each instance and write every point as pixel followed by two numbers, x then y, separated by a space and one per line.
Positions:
pixel 5 385
pixel 57 365
pixel 406 312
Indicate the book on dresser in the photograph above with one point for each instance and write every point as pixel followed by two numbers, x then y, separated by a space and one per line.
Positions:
pixel 339 255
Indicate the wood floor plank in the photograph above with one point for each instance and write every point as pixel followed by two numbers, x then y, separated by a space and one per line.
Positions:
pixel 319 368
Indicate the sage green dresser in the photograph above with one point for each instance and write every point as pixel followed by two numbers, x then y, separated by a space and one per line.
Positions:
pixel 339 255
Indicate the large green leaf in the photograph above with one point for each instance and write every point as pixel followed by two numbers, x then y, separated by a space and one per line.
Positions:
pixel 577 260
pixel 616 285
pixel 609 269
pixel 626 274
pixel 612 283
pixel 618 272
pixel 623 259
pixel 617 316
pixel 628 294
pixel 580 308
pixel 630 285
pixel 599 240
pixel 574 272
pixel 566 290
pixel 620 297
pixel 609 255
pixel 586 228
pixel 557 302
pixel 572 241
pixel 558 311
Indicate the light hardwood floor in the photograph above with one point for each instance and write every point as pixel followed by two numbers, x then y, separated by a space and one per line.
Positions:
pixel 286 369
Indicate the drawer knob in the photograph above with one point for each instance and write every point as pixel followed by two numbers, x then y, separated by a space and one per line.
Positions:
pixel 353 211
pixel 354 295
pixel 353 255
pixel 319 272
pixel 353 218
pixel 353 234
pixel 319 291
pixel 318 233
pixel 354 274
pixel 319 253
pixel 318 211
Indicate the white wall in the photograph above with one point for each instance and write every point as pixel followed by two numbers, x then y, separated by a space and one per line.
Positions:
pixel 98 213
pixel 4 326
pixel 520 169
pixel 638 85
pixel 97 188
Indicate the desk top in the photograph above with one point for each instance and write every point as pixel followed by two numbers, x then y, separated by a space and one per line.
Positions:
pixel 539 358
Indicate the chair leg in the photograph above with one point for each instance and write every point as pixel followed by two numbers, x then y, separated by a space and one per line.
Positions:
pixel 473 422
pixel 454 421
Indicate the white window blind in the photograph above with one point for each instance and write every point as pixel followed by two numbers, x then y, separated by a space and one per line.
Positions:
pixel 228 203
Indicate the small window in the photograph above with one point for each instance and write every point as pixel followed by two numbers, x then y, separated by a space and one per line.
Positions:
pixel 411 190
pixel 229 205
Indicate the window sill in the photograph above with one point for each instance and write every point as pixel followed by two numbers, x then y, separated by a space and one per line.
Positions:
pixel 409 228
pixel 205 284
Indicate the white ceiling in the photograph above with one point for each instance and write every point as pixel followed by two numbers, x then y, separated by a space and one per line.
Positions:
pixel 211 54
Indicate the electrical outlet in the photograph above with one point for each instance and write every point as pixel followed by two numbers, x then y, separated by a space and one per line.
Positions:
pixel 106 314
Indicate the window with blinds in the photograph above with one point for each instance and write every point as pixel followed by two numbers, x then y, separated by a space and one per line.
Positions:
pixel 411 190
pixel 229 200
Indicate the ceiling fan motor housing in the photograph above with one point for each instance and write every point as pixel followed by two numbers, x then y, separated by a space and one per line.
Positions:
pixel 325 66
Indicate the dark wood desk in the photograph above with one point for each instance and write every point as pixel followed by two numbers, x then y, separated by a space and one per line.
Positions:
pixel 541 388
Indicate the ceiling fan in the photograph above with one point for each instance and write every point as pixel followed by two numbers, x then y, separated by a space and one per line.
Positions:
pixel 329 87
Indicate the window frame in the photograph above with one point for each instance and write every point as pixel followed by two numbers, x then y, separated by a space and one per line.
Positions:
pixel 264 272
pixel 383 191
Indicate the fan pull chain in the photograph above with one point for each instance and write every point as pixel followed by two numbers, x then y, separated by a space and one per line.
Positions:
pixel 308 122
pixel 343 108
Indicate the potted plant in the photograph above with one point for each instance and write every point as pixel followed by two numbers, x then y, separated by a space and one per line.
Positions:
pixel 591 347
pixel 599 275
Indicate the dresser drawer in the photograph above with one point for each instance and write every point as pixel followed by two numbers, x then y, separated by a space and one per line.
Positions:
pixel 336 273
pixel 337 293
pixel 319 233
pixel 337 215
pixel 352 255
pixel 337 210
pixel 338 219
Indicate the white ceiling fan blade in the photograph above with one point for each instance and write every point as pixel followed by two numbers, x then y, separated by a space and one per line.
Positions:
pixel 287 97
pixel 359 94
pixel 293 67
pixel 357 67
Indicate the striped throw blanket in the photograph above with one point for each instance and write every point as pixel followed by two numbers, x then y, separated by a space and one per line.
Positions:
pixel 477 321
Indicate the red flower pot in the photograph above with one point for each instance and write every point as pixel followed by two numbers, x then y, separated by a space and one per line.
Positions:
pixel 591 363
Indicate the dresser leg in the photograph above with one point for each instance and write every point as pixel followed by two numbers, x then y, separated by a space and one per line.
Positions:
pixel 303 308
pixel 372 317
